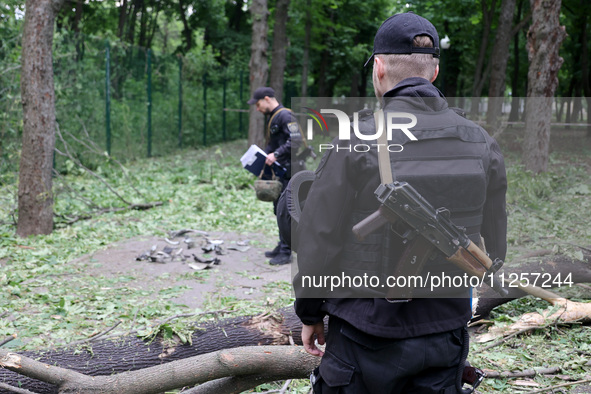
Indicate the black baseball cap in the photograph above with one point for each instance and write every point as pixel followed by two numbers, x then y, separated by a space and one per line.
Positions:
pixel 396 35
pixel 261 93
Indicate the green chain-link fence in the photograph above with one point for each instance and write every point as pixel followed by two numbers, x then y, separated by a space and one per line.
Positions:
pixel 127 101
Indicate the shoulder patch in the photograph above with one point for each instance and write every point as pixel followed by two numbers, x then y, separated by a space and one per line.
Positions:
pixel 293 127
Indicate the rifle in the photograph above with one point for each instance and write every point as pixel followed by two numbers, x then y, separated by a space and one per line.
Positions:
pixel 426 228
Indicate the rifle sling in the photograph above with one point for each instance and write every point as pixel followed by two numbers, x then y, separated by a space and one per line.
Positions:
pixel 384 157
pixel 268 131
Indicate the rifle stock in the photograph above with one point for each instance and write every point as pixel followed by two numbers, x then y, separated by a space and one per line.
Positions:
pixel 401 202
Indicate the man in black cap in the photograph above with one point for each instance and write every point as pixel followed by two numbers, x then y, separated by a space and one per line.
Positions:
pixel 397 345
pixel 282 134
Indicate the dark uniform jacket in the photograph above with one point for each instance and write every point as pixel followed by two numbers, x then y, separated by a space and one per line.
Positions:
pixel 454 164
pixel 282 135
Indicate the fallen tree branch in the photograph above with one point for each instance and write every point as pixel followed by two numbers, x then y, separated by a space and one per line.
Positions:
pixel 97 336
pixel 233 384
pixel 94 208
pixel 563 311
pixel 130 353
pixel 552 265
pixel 505 338
pixel 138 207
pixel 8 339
pixel 13 389
pixel 278 362
pixel 561 385
pixel 526 373
pixel 93 147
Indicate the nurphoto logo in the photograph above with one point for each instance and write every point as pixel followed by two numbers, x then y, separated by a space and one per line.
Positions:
pixel 390 123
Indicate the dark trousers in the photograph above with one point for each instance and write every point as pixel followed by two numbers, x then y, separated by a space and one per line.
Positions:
pixel 357 363
pixel 284 247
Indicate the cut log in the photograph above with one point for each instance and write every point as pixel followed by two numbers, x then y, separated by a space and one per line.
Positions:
pixel 271 361
pixel 130 353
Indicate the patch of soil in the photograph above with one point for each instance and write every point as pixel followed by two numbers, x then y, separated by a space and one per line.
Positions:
pixel 242 274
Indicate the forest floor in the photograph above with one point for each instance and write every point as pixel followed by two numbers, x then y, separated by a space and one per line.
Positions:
pixel 86 277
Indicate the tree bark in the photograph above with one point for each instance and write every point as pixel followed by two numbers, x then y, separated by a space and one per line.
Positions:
pixel 479 74
pixel 279 48
pixel 306 56
pixel 122 19
pixel 78 16
pixel 143 26
pixel 544 39
pixel 585 62
pixel 499 58
pixel 515 96
pixel 187 32
pixel 35 196
pixel 277 362
pixel 130 353
pixel 258 67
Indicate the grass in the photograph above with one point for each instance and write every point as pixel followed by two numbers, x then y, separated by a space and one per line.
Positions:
pixel 202 189
pixel 207 189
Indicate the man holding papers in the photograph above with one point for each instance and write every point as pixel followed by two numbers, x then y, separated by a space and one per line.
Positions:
pixel 282 134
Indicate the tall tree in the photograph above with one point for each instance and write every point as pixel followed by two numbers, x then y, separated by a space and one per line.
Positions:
pixel 585 61
pixel 499 58
pixel 187 31
pixel 515 79
pixel 279 48
pixel 306 55
pixel 544 38
pixel 258 66
pixel 35 197
pixel 479 73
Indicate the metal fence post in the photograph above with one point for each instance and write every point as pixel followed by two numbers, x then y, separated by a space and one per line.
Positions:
pixel 241 101
pixel 108 95
pixel 180 124
pixel 149 92
pixel 205 109
pixel 224 110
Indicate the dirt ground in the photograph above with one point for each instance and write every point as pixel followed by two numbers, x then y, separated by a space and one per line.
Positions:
pixel 240 273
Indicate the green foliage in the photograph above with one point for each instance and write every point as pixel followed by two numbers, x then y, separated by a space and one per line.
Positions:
pixel 545 211
pixel 204 188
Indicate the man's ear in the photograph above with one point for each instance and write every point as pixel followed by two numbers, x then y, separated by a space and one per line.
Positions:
pixel 435 74
pixel 380 67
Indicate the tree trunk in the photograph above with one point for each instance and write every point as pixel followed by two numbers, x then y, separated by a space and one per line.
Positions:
pixel 515 91
pixel 499 57
pixel 258 67
pixel 266 362
pixel 187 32
pixel 35 196
pixel 306 56
pixel 323 88
pixel 479 74
pixel 122 19
pixel 279 48
pixel 133 11
pixel 78 16
pixel 544 39
pixel 107 357
pixel 143 26
pixel 585 63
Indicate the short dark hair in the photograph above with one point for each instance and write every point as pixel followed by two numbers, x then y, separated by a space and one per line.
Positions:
pixel 399 67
